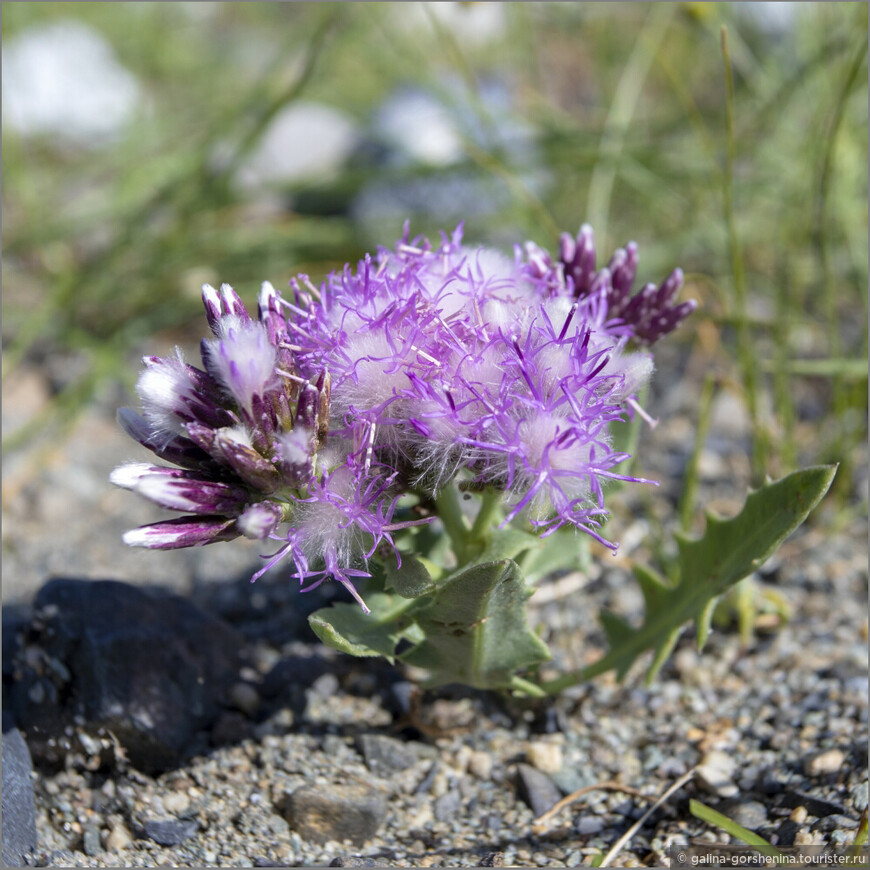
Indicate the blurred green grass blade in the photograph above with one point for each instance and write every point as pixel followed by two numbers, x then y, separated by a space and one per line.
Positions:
pixel 622 109
pixel 847 369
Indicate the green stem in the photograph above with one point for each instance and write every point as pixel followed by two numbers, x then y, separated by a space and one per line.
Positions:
pixel 450 513
pixel 527 687
pixel 690 485
pixel 490 502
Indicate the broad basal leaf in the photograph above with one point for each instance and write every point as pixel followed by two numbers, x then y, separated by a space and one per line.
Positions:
pixel 348 629
pixel 475 628
pixel 728 551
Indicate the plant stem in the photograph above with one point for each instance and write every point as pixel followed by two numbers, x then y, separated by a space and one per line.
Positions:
pixel 490 502
pixel 690 484
pixel 527 687
pixel 451 515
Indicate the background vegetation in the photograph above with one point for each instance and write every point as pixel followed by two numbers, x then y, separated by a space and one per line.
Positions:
pixel 748 167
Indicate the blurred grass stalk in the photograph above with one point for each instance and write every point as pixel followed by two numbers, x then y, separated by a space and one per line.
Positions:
pixel 619 117
pixel 745 355
pixel 821 231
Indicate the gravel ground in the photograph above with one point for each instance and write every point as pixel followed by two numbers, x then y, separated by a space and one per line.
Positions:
pixel 320 759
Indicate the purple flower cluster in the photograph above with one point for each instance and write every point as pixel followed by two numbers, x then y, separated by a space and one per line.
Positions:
pixel 425 365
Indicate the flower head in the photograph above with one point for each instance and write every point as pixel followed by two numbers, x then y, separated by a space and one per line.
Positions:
pixel 425 364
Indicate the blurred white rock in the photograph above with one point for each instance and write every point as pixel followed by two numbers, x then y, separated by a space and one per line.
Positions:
pixel 305 141
pixel 418 126
pixel 772 18
pixel 62 80
pixel 474 24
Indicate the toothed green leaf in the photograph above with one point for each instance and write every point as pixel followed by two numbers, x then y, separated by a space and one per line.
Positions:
pixel 475 628
pixel 728 551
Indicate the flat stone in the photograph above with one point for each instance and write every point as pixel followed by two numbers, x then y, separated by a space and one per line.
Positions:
pixel 589 825
pixel 749 814
pixel 447 806
pixel 384 755
pixel 91 841
pixel 19 812
pixel 152 669
pixel 352 812
pixel 537 789
pixel 170 832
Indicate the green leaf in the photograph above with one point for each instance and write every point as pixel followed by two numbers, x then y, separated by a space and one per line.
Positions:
pixel 566 549
pixel 728 551
pixel 750 838
pixel 475 628
pixel 347 628
pixel 507 543
pixel 412 580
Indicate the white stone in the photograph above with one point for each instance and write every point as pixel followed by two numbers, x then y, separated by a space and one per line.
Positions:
pixel 545 756
pixel 304 141
pixel 63 80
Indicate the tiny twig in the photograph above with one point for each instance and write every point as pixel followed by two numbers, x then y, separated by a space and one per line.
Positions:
pixel 539 825
pixel 620 843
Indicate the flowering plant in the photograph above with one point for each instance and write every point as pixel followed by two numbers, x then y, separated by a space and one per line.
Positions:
pixel 346 421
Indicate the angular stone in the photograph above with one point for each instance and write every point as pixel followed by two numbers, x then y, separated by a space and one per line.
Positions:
pixel 19 812
pixel 152 669
pixel 447 806
pixel 537 789
pixel 170 832
pixel 339 812
pixel 384 755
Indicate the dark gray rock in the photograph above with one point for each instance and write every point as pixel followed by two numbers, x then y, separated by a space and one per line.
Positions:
pixel 814 806
pixel 91 841
pixel 537 789
pixel 447 806
pixel 151 668
pixel 354 861
pixel 19 812
pixel 352 812
pixel 385 755
pixel 493 859
pixel 170 832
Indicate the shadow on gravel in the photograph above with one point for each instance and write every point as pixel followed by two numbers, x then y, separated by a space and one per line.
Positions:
pixel 102 674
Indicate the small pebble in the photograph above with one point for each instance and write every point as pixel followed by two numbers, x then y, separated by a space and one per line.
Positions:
pixel 825 762
pixel 447 806
pixel 480 765
pixel 589 825
pixel 799 815
pixel 749 814
pixel 537 789
pixel 245 697
pixel 170 832
pixel 176 802
pixel 91 841
pixel 545 756
pixel 859 796
pixel 714 773
pixel 119 838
